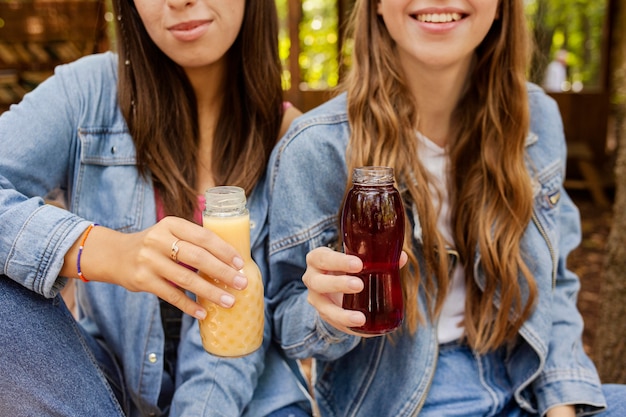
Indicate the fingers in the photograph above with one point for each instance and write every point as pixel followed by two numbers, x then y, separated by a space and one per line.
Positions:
pixel 176 297
pixel 208 263
pixel 330 310
pixel 206 241
pixel 327 279
pixel 180 276
pixel 164 260
pixel 326 259
pixel 404 258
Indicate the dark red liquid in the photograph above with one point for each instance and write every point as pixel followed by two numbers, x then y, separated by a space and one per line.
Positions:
pixel 373 229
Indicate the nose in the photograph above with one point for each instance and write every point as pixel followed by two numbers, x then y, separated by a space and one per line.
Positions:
pixel 180 4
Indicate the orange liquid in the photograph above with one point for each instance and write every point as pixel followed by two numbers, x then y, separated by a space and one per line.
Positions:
pixel 235 331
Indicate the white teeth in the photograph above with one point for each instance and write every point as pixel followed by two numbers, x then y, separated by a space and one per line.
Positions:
pixel 439 17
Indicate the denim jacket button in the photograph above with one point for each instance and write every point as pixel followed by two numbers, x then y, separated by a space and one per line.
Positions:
pixel 152 357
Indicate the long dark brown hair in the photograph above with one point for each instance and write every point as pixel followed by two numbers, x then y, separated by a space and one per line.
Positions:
pixel 159 105
pixel 489 186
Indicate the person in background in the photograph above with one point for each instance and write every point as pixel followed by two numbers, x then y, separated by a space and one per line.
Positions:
pixel 192 99
pixel 556 73
pixel 438 93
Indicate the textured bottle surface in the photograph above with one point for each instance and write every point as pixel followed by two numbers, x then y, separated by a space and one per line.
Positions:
pixel 372 225
pixel 235 331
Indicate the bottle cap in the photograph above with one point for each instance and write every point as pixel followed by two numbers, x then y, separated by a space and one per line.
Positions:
pixel 372 175
pixel 225 201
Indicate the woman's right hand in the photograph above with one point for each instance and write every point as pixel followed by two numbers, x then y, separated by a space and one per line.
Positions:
pixel 328 278
pixel 145 261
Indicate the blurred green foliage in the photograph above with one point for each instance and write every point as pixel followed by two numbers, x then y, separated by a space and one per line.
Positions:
pixel 574 25
pixel 319 38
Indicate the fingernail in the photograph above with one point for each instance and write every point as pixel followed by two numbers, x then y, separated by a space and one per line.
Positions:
pixel 200 314
pixel 355 265
pixel 240 282
pixel 227 300
pixel 355 284
pixel 357 319
pixel 238 262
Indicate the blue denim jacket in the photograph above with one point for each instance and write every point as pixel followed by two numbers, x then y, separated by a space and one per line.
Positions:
pixel 547 365
pixel 70 133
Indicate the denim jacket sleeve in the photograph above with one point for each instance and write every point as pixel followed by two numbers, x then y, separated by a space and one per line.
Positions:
pixel 568 376
pixel 207 387
pixel 302 216
pixel 38 138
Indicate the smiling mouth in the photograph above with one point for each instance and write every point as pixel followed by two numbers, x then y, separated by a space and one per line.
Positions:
pixel 438 17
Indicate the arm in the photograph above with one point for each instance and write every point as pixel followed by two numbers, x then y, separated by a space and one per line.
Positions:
pixel 304 201
pixel 143 262
pixel 568 376
pixel 44 149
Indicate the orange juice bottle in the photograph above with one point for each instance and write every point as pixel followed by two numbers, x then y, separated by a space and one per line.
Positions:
pixel 235 331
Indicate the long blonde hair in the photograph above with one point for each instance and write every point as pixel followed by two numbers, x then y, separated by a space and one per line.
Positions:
pixel 489 186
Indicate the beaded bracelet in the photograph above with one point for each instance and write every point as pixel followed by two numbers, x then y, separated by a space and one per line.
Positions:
pixel 80 252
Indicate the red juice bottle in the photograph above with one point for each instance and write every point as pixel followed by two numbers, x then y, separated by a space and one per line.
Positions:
pixel 372 225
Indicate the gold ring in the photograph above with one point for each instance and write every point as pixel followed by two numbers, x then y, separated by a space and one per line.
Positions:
pixel 174 252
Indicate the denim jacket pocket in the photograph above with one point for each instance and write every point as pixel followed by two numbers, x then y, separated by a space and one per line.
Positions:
pixel 109 189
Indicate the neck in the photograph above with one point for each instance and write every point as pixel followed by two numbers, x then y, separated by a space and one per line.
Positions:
pixel 207 83
pixel 436 93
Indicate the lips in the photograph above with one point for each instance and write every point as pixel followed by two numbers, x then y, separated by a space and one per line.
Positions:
pixel 188 25
pixel 191 30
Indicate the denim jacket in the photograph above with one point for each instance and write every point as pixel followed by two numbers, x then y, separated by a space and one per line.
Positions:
pixel 69 133
pixel 358 377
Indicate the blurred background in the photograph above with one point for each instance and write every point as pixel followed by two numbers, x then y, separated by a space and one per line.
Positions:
pixel 579 58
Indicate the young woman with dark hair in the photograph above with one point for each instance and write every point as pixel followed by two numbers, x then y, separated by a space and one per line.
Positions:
pixel 191 100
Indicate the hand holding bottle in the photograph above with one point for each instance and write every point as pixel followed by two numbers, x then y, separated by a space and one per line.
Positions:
pixel 330 275
pixel 145 261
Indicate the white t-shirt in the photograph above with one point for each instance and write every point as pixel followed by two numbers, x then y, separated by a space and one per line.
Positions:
pixel 435 160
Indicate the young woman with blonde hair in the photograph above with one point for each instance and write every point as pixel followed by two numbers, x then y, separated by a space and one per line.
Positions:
pixel 437 90
pixel 192 99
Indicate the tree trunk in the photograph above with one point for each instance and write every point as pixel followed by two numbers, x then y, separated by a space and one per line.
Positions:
pixel 609 347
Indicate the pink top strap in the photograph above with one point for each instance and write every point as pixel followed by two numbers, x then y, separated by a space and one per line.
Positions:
pixel 197 215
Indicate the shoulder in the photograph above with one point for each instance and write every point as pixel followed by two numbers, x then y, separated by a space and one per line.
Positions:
pixel 333 111
pixel 540 101
pixel 545 117
pixel 315 142
pixel 90 81
pixel 101 64
pixel 325 124
pixel 546 140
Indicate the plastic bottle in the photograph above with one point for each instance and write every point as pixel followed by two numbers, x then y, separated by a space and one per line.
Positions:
pixel 372 226
pixel 235 331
